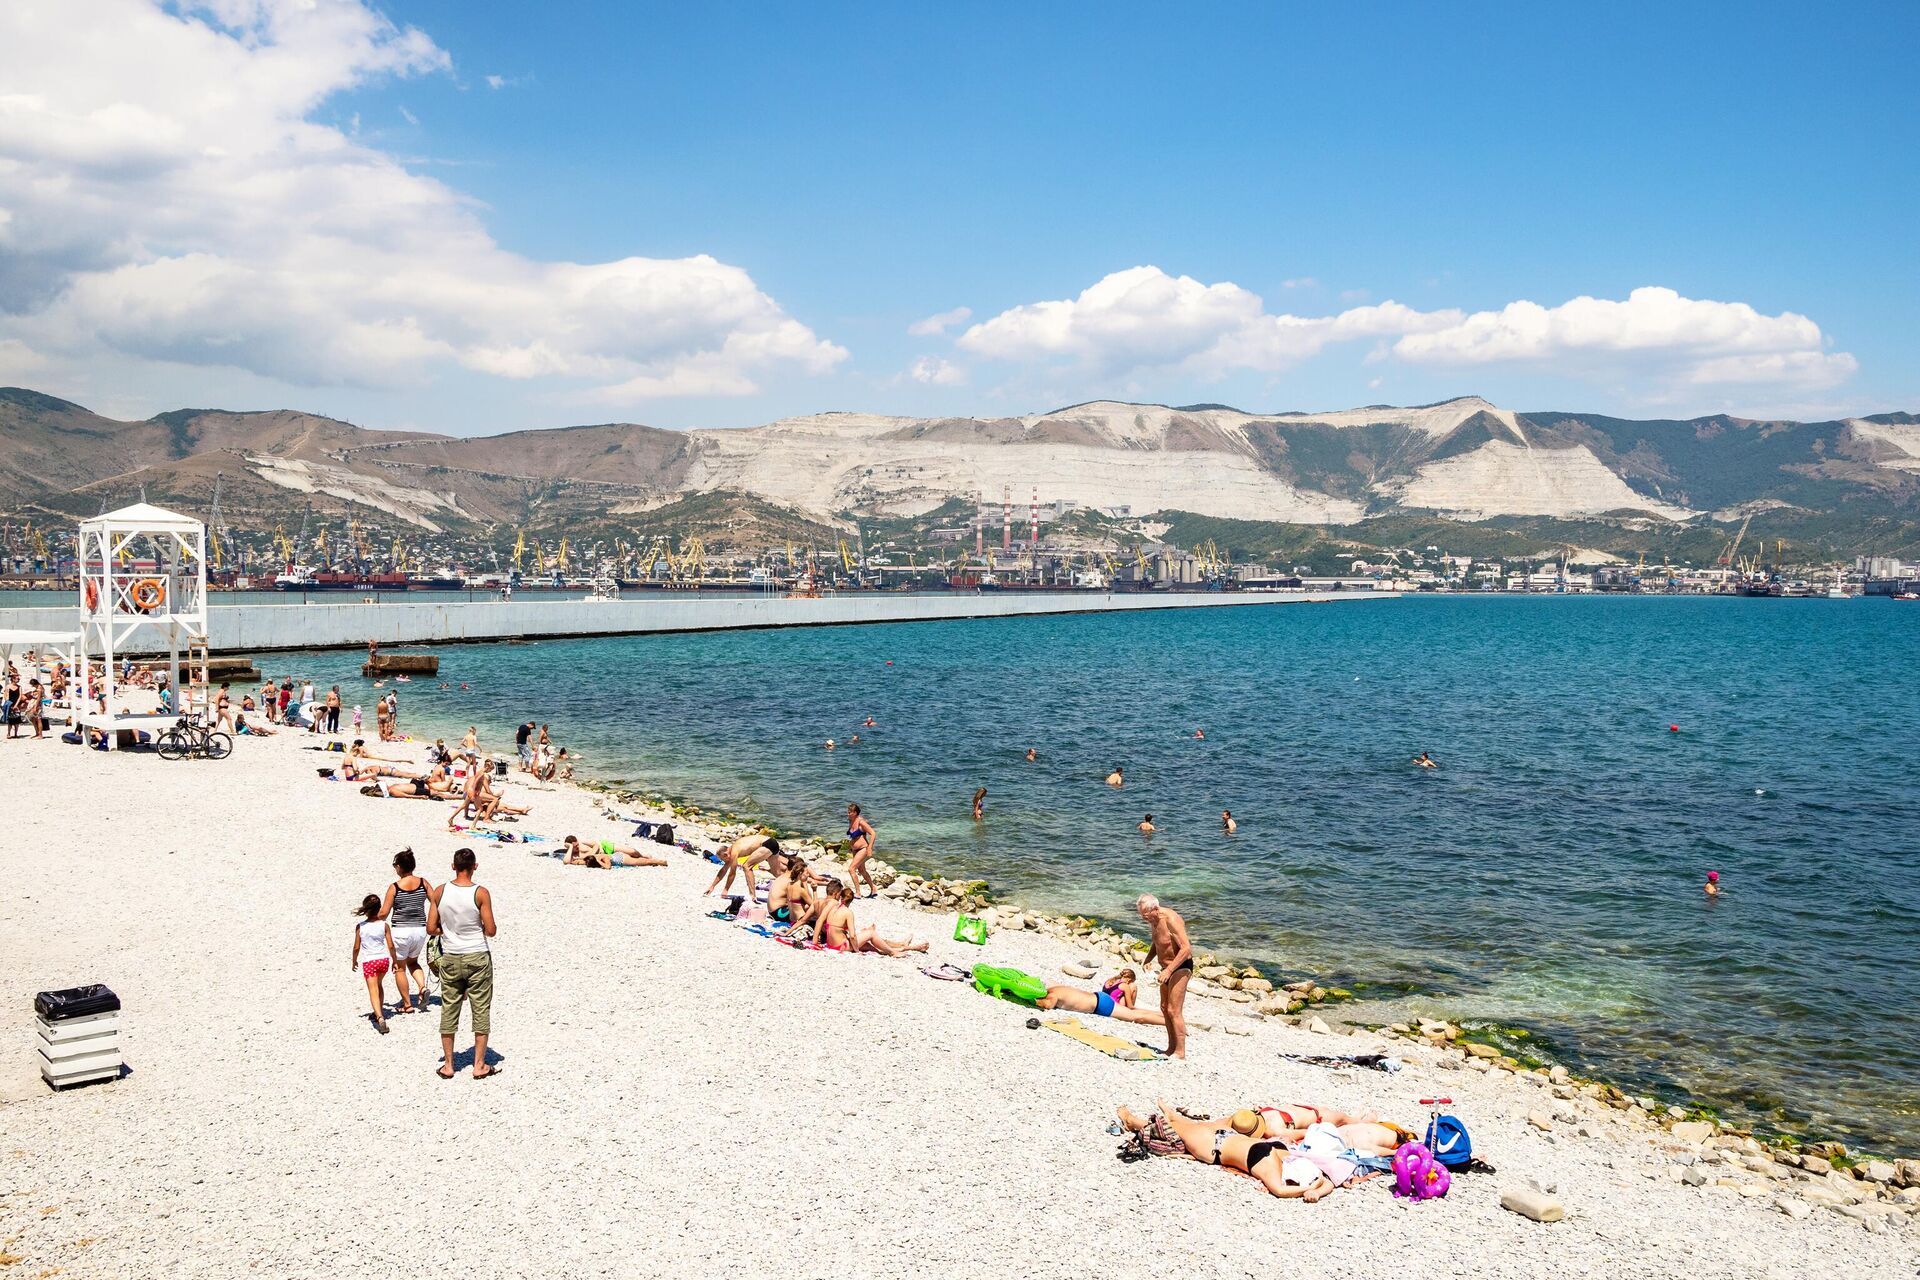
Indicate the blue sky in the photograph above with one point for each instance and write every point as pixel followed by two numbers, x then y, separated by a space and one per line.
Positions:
pixel 854 169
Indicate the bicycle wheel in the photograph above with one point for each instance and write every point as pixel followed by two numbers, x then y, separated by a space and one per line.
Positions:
pixel 170 745
pixel 218 746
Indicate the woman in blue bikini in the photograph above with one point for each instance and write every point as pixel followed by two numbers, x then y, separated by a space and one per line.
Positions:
pixel 859 849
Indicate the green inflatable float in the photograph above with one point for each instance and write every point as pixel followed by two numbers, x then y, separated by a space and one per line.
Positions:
pixel 1008 984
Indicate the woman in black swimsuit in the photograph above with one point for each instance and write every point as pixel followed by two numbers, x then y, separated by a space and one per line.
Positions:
pixel 1213 1142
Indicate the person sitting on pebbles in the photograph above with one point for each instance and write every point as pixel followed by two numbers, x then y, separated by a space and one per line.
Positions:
pixel 605 855
pixel 1114 999
pixel 788 901
pixel 837 930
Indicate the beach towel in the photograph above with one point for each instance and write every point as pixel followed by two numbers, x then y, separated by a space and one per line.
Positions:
pixel 1111 1045
pixel 1371 1061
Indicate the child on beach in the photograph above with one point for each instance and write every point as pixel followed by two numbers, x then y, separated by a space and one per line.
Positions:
pixel 373 956
pixel 356 721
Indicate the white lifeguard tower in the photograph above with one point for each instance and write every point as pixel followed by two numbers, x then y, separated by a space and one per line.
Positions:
pixel 143 589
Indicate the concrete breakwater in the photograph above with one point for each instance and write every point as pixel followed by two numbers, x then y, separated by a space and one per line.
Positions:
pixel 327 624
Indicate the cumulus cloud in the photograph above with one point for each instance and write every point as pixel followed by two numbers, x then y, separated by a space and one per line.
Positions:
pixel 933 371
pixel 167 195
pixel 1145 319
pixel 1708 342
pixel 940 323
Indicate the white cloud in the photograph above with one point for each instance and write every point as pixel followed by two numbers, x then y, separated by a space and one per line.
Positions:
pixel 409 117
pixel 940 323
pixel 498 82
pixel 170 198
pixel 1144 319
pixel 1701 341
pixel 936 372
pixel 1300 282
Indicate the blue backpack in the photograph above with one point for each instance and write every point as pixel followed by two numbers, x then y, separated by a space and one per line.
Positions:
pixel 1447 1139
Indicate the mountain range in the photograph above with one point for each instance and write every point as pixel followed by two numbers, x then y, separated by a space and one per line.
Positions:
pixel 1463 461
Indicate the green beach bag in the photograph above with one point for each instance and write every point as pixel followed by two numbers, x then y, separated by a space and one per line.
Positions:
pixel 970 929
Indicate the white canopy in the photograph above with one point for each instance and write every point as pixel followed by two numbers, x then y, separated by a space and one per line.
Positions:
pixel 38 639
pixel 63 643
pixel 143 516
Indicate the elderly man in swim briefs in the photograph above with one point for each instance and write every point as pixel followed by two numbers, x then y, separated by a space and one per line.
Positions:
pixel 1174 950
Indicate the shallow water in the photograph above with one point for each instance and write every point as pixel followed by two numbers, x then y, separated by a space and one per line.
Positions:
pixel 1547 875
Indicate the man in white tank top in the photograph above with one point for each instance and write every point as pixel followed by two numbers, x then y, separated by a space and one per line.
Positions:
pixel 460 914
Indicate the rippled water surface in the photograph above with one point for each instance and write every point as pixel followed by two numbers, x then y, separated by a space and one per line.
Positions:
pixel 1548 875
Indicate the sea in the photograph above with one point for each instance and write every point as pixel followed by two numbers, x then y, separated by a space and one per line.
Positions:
pixel 1598 757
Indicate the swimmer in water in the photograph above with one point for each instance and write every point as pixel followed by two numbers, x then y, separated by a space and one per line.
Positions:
pixel 855 738
pixel 1146 825
pixel 1031 755
pixel 1200 734
pixel 1426 761
pixel 1116 778
pixel 1227 824
pixel 829 744
pixel 1712 886
pixel 867 723
pixel 979 804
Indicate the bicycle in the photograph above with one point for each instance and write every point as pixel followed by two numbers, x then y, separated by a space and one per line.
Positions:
pixel 189 738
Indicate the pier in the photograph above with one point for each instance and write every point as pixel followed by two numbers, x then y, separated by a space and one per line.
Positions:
pixel 329 624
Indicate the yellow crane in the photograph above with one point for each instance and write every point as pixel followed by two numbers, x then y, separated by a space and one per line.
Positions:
pixel 399 557
pixel 519 548
pixel 560 557
pixel 846 555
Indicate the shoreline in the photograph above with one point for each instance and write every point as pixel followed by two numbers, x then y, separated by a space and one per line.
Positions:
pixel 1307 999
pixel 923 1110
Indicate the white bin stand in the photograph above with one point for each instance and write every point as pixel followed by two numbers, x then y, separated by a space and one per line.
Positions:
pixel 79 1050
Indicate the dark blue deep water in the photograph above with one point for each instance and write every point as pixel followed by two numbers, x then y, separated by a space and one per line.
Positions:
pixel 1547 876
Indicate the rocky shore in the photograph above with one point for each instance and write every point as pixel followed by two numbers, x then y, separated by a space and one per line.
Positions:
pixel 1792 1176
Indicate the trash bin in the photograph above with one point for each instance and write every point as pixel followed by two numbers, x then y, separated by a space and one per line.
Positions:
pixel 79 1032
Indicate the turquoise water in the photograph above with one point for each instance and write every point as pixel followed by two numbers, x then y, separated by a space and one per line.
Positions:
pixel 1548 875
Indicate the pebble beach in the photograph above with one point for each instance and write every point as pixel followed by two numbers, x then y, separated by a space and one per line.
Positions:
pixel 679 1096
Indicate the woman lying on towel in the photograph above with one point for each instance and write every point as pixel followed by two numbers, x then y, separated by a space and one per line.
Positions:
pixel 605 855
pixel 359 764
pixel 1114 999
pixel 1301 1173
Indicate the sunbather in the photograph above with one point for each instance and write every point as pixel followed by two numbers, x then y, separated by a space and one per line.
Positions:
pixel 1114 1000
pixel 788 901
pixel 839 931
pixel 1266 1162
pixel 1290 1121
pixel 360 764
pixel 606 854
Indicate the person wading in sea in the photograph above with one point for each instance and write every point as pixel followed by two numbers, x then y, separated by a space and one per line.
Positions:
pixel 1174 950
pixel 460 914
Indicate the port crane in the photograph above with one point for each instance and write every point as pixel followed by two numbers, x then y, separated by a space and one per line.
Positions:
pixel 1733 547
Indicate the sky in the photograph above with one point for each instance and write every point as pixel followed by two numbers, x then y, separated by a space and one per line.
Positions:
pixel 470 217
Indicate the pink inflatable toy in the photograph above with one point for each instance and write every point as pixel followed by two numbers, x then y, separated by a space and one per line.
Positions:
pixel 1417 1176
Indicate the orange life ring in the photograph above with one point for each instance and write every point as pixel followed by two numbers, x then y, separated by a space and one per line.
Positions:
pixel 148 593
pixel 92 594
